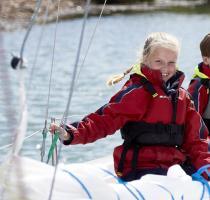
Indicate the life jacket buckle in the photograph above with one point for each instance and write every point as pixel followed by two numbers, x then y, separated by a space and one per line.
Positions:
pixel 119 174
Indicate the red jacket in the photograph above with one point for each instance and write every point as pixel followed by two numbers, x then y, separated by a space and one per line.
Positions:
pixel 198 91
pixel 134 103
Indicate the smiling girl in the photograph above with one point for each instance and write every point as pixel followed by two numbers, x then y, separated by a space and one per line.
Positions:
pixel 158 123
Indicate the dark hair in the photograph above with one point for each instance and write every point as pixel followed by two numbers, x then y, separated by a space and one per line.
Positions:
pixel 205 46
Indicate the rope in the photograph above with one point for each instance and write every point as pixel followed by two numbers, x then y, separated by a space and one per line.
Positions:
pixel 20 131
pixel 27 137
pixel 52 63
pixel 44 133
pixel 89 44
pixel 32 21
pixel 53 146
pixel 44 136
pixel 80 115
pixel 91 39
pixel 71 91
pixel 72 83
pixel 39 44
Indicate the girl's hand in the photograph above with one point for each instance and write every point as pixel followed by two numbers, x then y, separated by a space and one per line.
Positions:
pixel 63 134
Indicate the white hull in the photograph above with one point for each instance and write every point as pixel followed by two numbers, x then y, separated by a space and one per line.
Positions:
pixel 27 179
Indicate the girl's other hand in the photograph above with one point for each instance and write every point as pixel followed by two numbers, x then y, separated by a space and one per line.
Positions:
pixel 63 134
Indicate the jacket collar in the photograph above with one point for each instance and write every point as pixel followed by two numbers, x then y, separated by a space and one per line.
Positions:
pixel 202 71
pixel 155 77
pixel 174 82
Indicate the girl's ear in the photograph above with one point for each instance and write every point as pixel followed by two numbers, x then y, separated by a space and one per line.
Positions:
pixel 205 60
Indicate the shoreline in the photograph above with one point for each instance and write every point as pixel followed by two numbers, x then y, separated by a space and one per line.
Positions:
pixel 18 16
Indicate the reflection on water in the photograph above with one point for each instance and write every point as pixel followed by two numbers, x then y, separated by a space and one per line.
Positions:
pixel 115 47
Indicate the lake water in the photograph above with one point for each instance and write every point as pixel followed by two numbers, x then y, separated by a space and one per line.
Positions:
pixel 115 47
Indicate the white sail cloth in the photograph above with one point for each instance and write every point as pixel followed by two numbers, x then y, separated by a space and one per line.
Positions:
pixel 31 180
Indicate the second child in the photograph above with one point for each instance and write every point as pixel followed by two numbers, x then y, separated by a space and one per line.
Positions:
pixel 200 84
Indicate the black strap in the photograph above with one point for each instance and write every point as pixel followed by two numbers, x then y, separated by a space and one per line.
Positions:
pixel 134 161
pixel 174 100
pixel 148 86
pixel 126 146
pixel 135 158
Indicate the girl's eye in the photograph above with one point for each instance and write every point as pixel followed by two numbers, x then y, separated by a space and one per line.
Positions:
pixel 157 61
pixel 172 63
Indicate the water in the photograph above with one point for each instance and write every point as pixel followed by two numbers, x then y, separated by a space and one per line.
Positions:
pixel 115 47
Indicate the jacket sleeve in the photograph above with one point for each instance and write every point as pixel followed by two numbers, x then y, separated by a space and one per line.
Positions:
pixel 130 103
pixel 196 142
pixel 199 95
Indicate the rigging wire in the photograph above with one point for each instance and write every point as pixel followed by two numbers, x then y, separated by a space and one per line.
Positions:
pixel 65 115
pixel 27 137
pixel 20 131
pixel 71 90
pixel 72 82
pixel 38 45
pixel 18 61
pixel 44 132
pixel 36 132
pixel 30 27
pixel 91 40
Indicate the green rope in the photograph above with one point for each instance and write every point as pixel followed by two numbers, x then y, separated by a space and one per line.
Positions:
pixel 53 145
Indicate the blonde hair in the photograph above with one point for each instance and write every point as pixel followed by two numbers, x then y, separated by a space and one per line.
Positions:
pixel 153 41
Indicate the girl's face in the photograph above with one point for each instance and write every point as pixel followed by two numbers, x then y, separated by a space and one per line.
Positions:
pixel 163 59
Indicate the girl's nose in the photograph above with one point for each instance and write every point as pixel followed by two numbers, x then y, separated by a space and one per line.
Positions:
pixel 164 67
